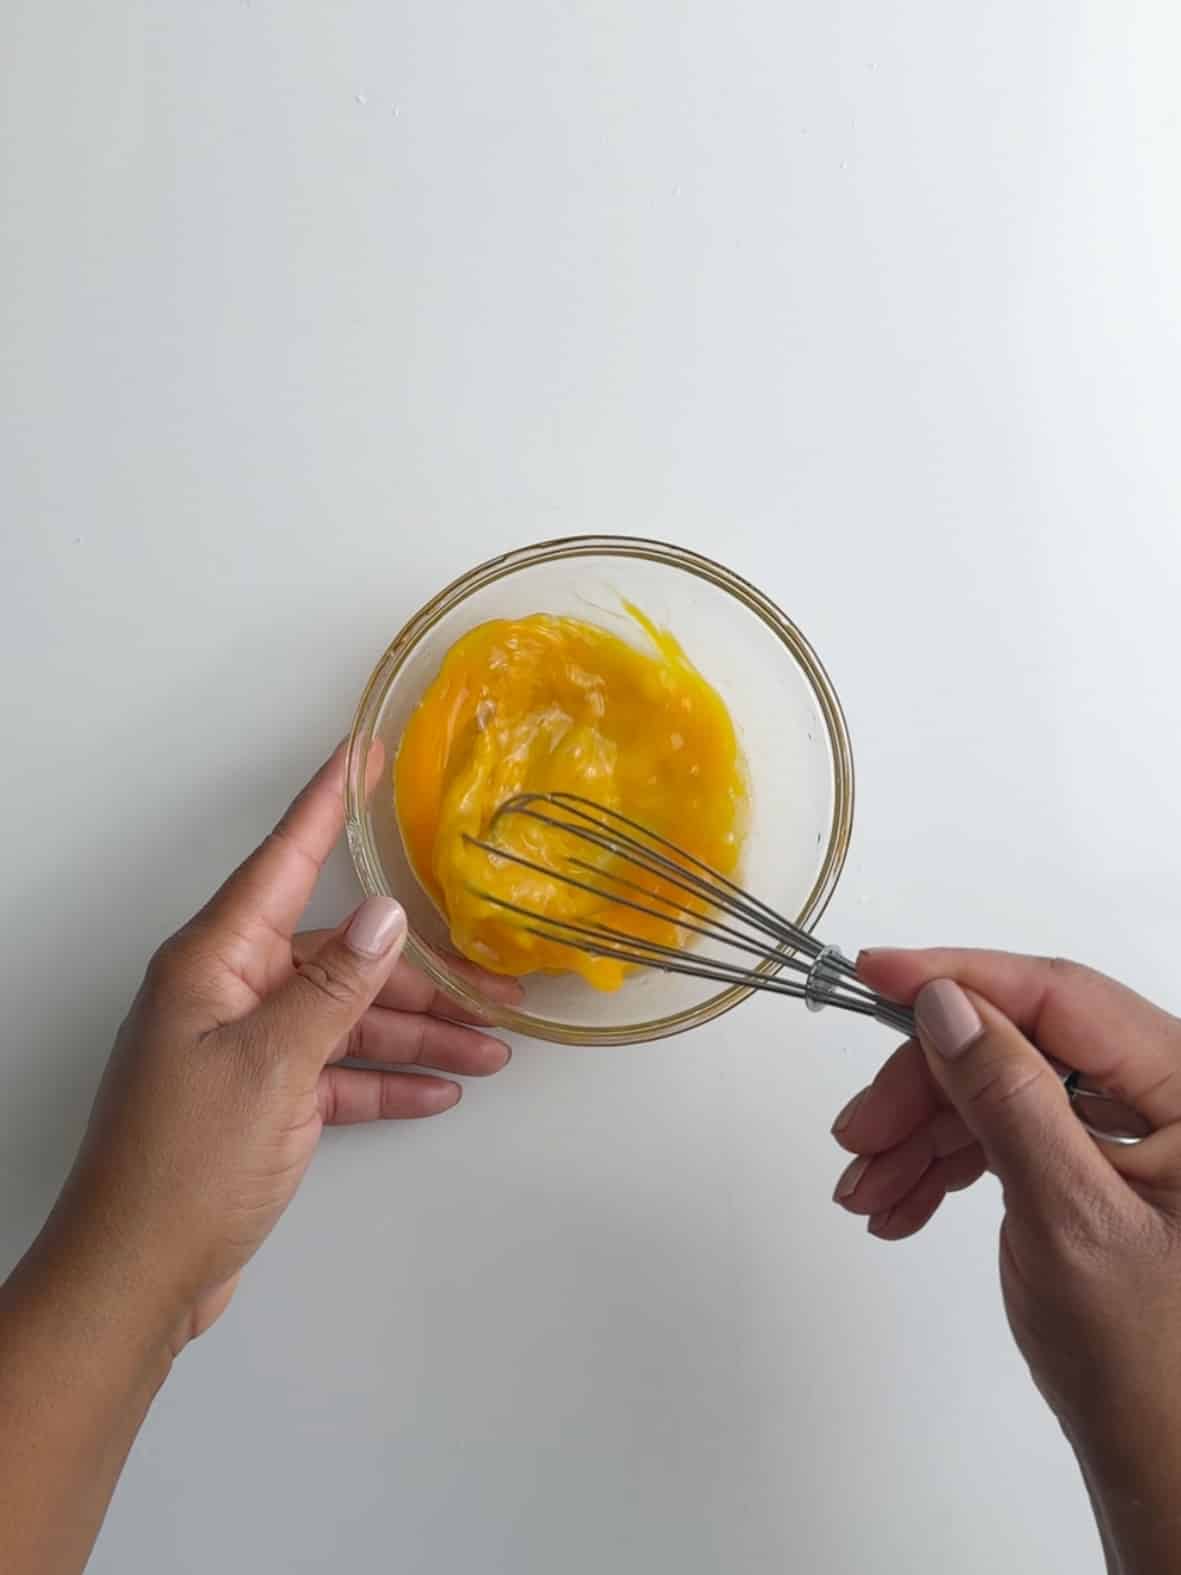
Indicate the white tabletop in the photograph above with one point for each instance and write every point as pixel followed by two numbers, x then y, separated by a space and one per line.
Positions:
pixel 306 309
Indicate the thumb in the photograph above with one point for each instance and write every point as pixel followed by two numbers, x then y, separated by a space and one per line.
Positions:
pixel 1011 1099
pixel 331 991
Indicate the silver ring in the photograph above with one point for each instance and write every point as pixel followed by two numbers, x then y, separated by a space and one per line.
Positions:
pixel 1070 1081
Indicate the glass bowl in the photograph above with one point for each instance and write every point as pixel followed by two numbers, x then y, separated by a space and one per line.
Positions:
pixel 786 712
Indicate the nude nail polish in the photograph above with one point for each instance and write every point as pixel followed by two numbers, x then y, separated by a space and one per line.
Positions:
pixel 848 1183
pixel 847 1114
pixel 946 1019
pixel 375 926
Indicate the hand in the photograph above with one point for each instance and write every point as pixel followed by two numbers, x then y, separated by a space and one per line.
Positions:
pixel 221 1080
pixel 226 1070
pixel 1091 1238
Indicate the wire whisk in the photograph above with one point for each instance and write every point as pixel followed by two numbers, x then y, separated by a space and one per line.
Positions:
pixel 694 896
pixel 634 868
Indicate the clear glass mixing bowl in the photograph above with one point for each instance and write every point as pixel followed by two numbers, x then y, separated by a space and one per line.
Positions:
pixel 784 707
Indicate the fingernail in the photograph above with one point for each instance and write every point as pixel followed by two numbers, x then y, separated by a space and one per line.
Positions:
pixel 846 1115
pixel 375 926
pixel 847 1185
pixel 440 1099
pixel 501 1055
pixel 946 1019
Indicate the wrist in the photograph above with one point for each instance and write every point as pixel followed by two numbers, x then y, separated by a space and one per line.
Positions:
pixel 1131 1467
pixel 99 1286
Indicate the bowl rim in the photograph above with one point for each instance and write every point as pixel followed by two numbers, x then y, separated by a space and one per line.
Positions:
pixel 368 865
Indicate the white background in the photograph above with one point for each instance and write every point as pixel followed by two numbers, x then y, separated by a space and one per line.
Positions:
pixel 306 308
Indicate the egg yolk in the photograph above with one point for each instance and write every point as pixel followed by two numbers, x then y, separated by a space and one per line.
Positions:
pixel 543 705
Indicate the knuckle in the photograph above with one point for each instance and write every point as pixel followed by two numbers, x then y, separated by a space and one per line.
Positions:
pixel 331 979
pixel 356 1042
pixel 1069 972
pixel 175 971
pixel 419 1041
pixel 1002 1080
pixel 185 969
pixel 328 1098
pixel 388 1099
pixel 166 964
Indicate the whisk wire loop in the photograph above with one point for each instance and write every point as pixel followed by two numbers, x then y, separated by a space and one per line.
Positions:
pixel 790 960
pixel 709 906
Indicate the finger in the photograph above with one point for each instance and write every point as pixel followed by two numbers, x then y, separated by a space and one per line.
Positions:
pixel 348 1095
pixel 1082 1017
pixel 1154 1164
pixel 411 1039
pixel 949 1134
pixel 874 1182
pixel 877 1181
pixel 322 1001
pixel 272 887
pixel 962 1170
pixel 1014 1104
pixel 411 991
pixel 408 990
pixel 901 1098
pixel 912 1212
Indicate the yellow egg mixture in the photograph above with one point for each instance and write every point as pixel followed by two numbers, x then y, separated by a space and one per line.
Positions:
pixel 544 704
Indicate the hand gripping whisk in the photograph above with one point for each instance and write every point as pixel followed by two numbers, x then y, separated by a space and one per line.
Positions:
pixel 625 865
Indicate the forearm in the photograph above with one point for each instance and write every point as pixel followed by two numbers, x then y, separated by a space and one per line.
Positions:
pixel 1134 1491
pixel 81 1359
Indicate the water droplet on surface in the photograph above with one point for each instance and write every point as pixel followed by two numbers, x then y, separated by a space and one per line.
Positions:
pixel 361 98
